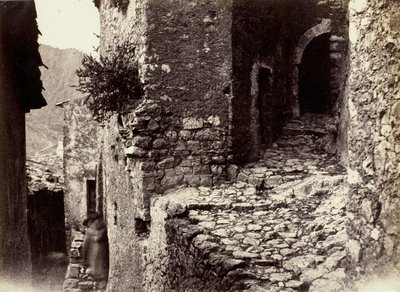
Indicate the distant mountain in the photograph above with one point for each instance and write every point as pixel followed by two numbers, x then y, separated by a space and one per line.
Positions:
pixel 44 127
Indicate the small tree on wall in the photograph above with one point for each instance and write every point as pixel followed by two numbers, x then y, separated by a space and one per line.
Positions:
pixel 111 82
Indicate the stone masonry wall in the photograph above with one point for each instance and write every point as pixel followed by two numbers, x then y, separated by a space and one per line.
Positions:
pixel 120 186
pixel 374 152
pixel 178 253
pixel 80 155
pixel 120 214
pixel 178 133
pixel 76 278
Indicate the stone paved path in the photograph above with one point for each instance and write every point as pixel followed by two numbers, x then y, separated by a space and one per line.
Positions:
pixel 283 221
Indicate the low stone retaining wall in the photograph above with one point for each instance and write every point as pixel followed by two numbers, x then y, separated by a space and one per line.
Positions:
pixel 205 239
pixel 76 279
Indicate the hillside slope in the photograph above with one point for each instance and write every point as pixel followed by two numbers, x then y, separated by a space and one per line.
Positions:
pixel 44 126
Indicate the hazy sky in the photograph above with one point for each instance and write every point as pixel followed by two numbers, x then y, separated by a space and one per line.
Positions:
pixel 68 24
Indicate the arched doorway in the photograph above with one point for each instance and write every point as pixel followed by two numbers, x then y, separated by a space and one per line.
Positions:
pixel 314 70
pixel 321 30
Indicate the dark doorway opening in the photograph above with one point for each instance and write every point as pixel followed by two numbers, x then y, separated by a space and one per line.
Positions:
pixel 267 107
pixel 91 196
pixel 314 90
pixel 46 227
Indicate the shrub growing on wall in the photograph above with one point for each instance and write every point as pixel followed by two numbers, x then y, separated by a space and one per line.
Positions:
pixel 110 83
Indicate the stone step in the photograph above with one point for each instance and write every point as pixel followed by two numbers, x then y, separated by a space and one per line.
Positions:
pixel 293 130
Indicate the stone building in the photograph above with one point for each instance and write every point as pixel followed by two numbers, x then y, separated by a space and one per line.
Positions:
pixel 80 156
pixel 266 127
pixel 20 91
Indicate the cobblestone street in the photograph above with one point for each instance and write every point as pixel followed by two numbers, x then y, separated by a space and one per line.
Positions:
pixel 281 226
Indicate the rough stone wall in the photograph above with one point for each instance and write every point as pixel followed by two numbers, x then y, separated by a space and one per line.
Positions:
pixel 268 34
pixel 180 133
pixel 119 185
pixel 374 154
pixel 76 278
pixel 120 213
pixel 80 158
pixel 178 254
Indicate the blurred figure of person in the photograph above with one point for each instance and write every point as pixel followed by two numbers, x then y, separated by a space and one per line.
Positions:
pixel 95 248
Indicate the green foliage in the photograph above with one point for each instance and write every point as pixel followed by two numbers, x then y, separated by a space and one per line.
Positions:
pixel 110 83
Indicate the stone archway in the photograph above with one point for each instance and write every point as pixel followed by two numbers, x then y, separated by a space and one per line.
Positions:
pixel 322 28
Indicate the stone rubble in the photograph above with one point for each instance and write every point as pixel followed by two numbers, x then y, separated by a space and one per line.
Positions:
pixel 44 173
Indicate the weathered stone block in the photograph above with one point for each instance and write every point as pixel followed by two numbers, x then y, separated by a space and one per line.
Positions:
pixel 192 123
pixel 207 135
pixel 175 209
pixel 73 271
pixel 166 163
pixel 153 125
pixel 148 107
pixel 358 6
pixel 232 171
pixel 74 253
pixel 160 143
pixel 216 169
pixel 192 180
pixel 214 120
pixel 135 151
pixel 148 166
pixel 193 145
pixel 86 285
pixel 180 145
pixel 142 141
pixel 172 135
pixel 76 244
pixel 191 161
pixel 201 169
pixel 354 250
pixel 70 284
pixel 185 134
pixel 182 170
pixel 206 180
pixel 171 179
pixel 148 183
